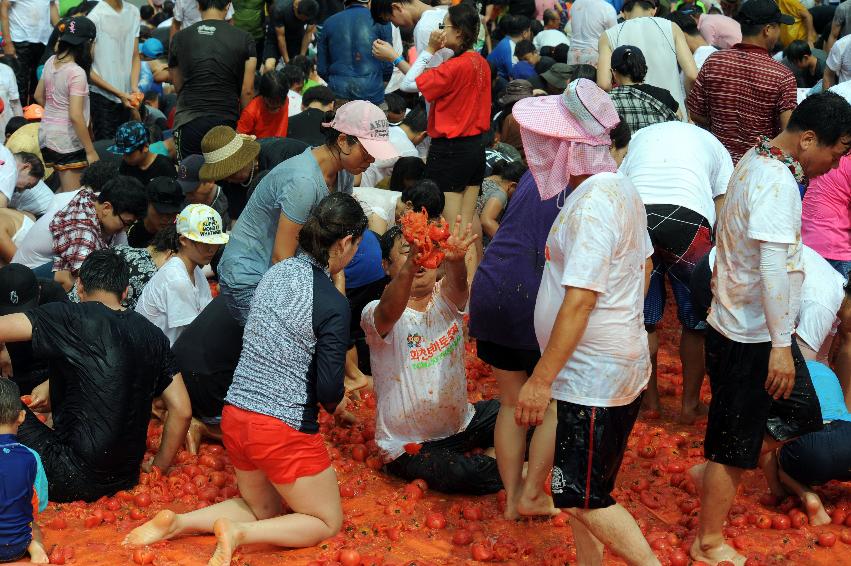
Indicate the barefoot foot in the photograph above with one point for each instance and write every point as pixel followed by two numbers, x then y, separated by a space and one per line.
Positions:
pixel 692 415
pixel 225 532
pixel 162 527
pixel 355 381
pixel 715 554
pixel 815 510
pixel 194 435
pixel 37 553
pixel 541 504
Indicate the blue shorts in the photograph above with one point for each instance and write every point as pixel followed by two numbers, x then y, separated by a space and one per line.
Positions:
pixel 819 457
pixel 12 553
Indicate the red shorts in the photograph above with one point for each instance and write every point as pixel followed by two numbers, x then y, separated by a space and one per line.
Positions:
pixel 260 442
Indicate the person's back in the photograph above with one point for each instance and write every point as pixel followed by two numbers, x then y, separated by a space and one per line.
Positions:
pixel 588 20
pixel 345 55
pixel 306 126
pixel 826 214
pixel 36 249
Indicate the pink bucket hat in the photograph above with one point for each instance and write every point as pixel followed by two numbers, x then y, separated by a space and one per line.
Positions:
pixel 365 121
pixel 567 135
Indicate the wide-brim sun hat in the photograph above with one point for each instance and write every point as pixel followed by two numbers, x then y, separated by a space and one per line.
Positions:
pixel 517 89
pixel 567 135
pixel 365 121
pixel 225 153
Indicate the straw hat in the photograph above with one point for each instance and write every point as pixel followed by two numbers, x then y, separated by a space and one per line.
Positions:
pixel 225 153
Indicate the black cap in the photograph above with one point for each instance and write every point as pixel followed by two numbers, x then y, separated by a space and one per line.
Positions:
pixel 762 12
pixel 166 195
pixel 77 30
pixel 18 289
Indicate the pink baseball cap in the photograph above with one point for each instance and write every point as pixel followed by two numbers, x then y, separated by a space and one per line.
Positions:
pixel 365 121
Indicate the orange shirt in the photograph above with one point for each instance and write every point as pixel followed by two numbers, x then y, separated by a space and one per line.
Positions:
pixel 256 120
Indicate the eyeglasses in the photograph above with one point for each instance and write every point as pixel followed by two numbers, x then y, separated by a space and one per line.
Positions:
pixel 126 223
pixel 444 26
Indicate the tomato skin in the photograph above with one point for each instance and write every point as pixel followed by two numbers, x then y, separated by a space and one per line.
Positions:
pixel 462 537
pixel 349 557
pixel 142 500
pixel 826 539
pixel 472 513
pixel 57 555
pixel 137 514
pixel 143 556
pixel 92 521
pixel 763 522
pixel 57 523
pixel 650 500
pixel 781 522
pixel 480 552
pixel 359 453
pixel 560 520
pixel 678 557
pixel 435 521
pixel 798 519
pixel 845 536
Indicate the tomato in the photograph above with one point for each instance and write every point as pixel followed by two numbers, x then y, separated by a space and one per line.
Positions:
pixel 359 453
pixel 740 543
pixel 781 522
pixel 480 552
pixel 413 448
pixel 27 400
pixel 647 451
pixel 349 557
pixel 845 536
pixel 839 517
pixel 92 521
pixel 678 557
pixel 435 521
pixel 347 491
pixel 689 505
pixel 676 468
pixel 798 519
pixel 108 517
pixel 142 500
pixel 143 556
pixel 136 514
pixel 208 494
pixel 57 555
pixel 650 500
pixel 827 539
pixel 737 521
pixel 124 495
pixel 763 522
pixel 413 492
pixel 57 523
pixel 472 513
pixel 639 485
pixel 210 461
pixel 394 534
pixel 462 537
pixel 560 520
pixel 218 479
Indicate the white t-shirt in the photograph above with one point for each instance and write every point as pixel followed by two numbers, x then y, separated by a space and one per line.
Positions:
pixel 550 38
pixel 843 89
pixel 420 380
pixel 382 168
pixel 187 12
pixel 117 36
pixel 29 20
pixel 763 204
pixel 702 53
pixel 599 241
pixel 9 93
pixel 294 103
pixel 839 59
pixel 822 294
pixel 8 173
pixel 588 20
pixel 171 301
pixel 35 200
pixel 429 21
pixel 382 202
pixel 37 248
pixel 680 164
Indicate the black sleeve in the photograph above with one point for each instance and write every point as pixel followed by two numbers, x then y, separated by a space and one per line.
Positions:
pixel 172 51
pixel 168 368
pixel 331 318
pixel 250 46
pixel 55 329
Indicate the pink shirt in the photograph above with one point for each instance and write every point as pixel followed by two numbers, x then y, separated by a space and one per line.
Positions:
pixel 541 5
pixel 60 84
pixel 826 214
pixel 720 31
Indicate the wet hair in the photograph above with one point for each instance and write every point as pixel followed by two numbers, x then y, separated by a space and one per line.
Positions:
pixel 166 239
pixel 105 270
pixel 146 12
pixel 216 4
pixel 319 93
pixel 620 134
pixel 509 170
pixel 336 216
pixel 292 75
pixel 14 124
pixel 826 114
pixel 31 159
pixel 406 169
pixel 685 23
pixel 630 5
pixel 514 25
pixel 585 71
pixel 633 64
pixel 425 194
pixel 395 103
pixel 98 174
pixel 126 195
pixel 273 85
pixel 465 19
pixel 797 50
pixel 305 63
pixel 10 401
pixel 417 119
pixel 388 240
pixel 523 48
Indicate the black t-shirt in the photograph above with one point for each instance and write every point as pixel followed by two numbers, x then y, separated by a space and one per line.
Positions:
pixel 306 126
pixel 106 367
pixel 211 56
pixel 282 15
pixel 518 7
pixel 822 18
pixel 138 236
pixel 161 167
pixel 660 94
pixel 163 35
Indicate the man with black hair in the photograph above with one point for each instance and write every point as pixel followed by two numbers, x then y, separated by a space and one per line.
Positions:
pixel 289 31
pixel 806 63
pixel 527 57
pixel 502 58
pixel 719 100
pixel 294 77
pixel 762 394
pixel 18 173
pixel 100 397
pixel 212 68
pixel 306 125
pixel 165 199
pixel 188 12
pixel 89 223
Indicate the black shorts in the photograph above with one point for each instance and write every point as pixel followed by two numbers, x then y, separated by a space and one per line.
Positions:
pixel 456 163
pixel 819 457
pixel 64 161
pixel 446 467
pixel 187 138
pixel 507 358
pixel 590 443
pixel 742 412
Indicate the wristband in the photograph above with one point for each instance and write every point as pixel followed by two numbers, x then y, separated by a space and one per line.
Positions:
pixel 397 60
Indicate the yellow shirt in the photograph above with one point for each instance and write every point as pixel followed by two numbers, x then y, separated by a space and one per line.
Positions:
pixel 798 30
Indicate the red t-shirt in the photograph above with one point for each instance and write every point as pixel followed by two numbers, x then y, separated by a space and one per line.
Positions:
pixel 256 120
pixel 459 92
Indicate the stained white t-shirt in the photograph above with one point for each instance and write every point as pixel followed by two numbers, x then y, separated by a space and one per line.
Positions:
pixel 382 168
pixel 680 164
pixel 419 374
pixel 839 58
pixel 117 35
pixel 35 200
pixel 29 21
pixel 36 249
pixel 599 242
pixel 763 204
pixel 170 300
pixel 381 201
pixel 588 20
pixel 822 294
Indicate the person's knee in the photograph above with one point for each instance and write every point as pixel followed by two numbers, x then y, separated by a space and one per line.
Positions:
pixel 333 523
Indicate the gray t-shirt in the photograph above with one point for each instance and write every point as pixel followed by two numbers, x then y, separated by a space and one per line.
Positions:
pixel 292 189
pixel 842 17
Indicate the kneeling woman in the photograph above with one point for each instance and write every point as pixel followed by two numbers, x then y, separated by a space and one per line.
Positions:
pixel 292 361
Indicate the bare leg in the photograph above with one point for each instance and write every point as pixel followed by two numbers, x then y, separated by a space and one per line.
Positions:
pixel 770 466
pixel 812 502
pixel 509 439
pixel 317 515
pixel 691 355
pixel 651 394
pixel 452 206
pixel 614 527
pixel 589 550
pixel 533 499
pixel 696 474
pixel 35 548
pixel 70 180
pixel 354 377
pixel 719 490
pixel 468 205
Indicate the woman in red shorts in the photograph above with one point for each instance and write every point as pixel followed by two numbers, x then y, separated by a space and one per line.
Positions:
pixel 292 361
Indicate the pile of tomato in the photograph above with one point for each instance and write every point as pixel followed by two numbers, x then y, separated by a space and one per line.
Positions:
pixel 430 237
pixel 392 523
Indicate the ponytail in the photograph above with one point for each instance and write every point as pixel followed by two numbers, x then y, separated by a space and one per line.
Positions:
pixel 631 63
pixel 336 216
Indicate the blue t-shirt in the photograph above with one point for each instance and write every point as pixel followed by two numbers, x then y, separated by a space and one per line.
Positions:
pixel 501 58
pixel 23 489
pixel 523 70
pixel 365 267
pixel 292 189
pixel 829 393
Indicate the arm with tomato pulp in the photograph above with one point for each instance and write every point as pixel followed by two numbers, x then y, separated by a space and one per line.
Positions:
pixel 395 297
pixel 176 423
pixel 454 285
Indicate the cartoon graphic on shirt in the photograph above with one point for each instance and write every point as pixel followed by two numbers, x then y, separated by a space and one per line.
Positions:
pixel 427 356
pixel 414 340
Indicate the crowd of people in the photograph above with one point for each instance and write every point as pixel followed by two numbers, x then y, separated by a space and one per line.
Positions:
pixel 576 162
